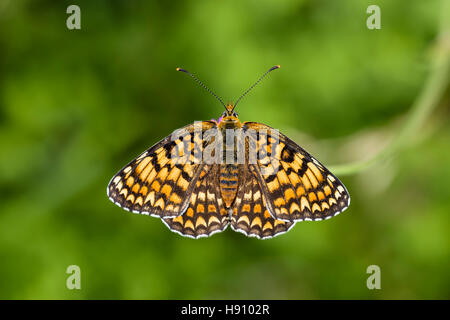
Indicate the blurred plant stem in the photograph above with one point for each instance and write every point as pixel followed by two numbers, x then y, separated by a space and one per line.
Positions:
pixel 425 103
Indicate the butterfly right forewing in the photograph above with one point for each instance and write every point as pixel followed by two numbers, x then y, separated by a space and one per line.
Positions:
pixel 296 186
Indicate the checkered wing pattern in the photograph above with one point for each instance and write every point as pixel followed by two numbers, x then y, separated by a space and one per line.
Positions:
pixel 161 180
pixel 206 214
pixel 295 185
pixel 250 215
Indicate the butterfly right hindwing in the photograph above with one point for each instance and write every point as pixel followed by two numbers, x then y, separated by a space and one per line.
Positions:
pixel 250 215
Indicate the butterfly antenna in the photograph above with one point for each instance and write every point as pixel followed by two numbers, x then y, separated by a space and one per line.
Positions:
pixel 200 83
pixel 259 80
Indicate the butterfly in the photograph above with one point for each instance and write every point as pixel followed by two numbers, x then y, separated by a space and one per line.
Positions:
pixel 212 174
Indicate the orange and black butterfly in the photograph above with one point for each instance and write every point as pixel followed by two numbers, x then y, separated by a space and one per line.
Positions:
pixel 211 174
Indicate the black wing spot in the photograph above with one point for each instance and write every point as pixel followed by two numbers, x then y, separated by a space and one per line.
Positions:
pixel 287 155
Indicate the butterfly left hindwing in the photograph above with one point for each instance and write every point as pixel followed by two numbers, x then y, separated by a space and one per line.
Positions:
pixel 206 214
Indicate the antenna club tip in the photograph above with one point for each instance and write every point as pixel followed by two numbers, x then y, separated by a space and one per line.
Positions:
pixel 275 67
pixel 182 70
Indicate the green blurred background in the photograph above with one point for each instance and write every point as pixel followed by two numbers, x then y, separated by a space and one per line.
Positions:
pixel 77 105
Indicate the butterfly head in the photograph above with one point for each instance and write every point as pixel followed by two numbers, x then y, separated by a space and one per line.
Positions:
pixel 229 111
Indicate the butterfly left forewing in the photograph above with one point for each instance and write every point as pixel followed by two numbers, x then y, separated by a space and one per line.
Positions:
pixel 296 186
pixel 160 181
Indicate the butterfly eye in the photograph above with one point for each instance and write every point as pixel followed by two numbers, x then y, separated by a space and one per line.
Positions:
pixel 224 114
pixel 235 114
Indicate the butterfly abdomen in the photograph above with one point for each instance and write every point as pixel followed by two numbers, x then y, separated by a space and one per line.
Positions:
pixel 229 182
